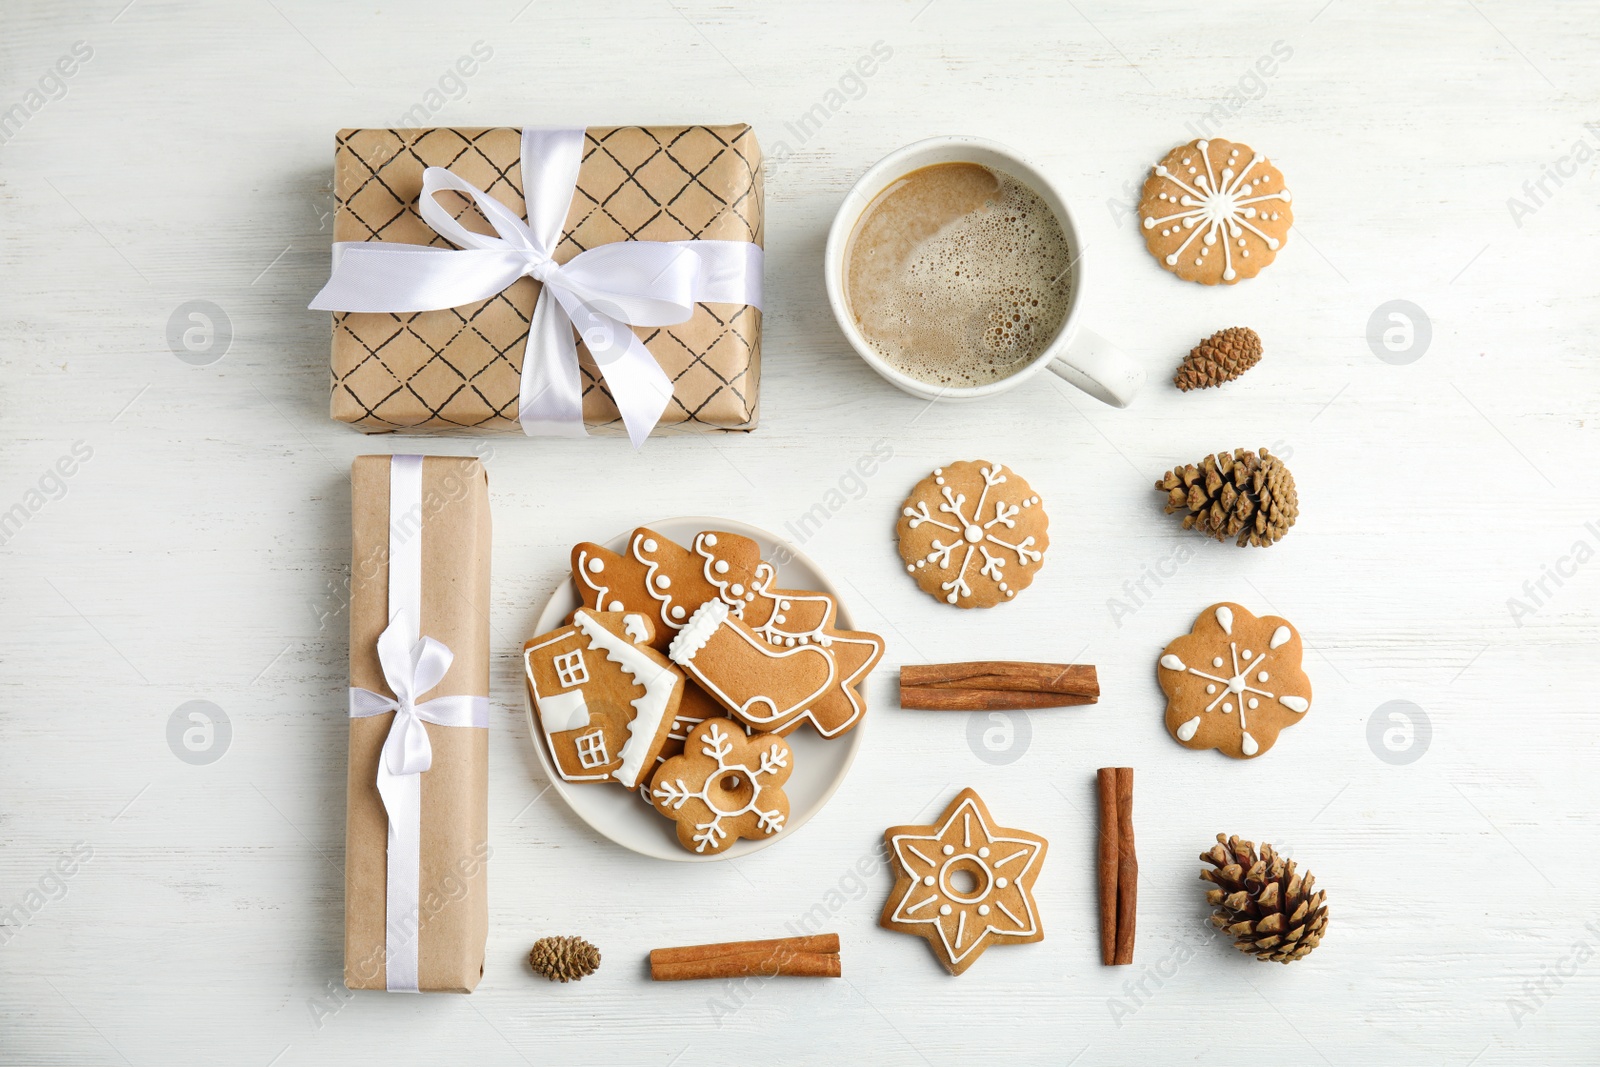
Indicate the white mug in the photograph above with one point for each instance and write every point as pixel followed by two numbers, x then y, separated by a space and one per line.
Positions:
pixel 1085 359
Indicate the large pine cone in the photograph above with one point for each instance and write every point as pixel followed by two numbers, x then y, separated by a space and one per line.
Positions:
pixel 564 959
pixel 1248 494
pixel 1220 358
pixel 1262 902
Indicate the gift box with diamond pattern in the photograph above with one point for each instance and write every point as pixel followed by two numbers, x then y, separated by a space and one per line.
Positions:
pixel 459 370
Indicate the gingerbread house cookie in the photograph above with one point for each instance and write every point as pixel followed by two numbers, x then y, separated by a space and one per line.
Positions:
pixel 606 700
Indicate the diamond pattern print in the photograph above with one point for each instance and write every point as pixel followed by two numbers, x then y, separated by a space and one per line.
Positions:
pixel 459 370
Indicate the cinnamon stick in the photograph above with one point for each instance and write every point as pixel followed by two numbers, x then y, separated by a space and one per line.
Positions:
pixel 1107 869
pixel 814 956
pixel 997 685
pixel 1127 868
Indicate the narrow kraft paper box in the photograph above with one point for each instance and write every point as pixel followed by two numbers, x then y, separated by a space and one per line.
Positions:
pixel 453 524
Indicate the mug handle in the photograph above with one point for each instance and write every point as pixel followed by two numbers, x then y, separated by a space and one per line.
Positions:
pixel 1100 369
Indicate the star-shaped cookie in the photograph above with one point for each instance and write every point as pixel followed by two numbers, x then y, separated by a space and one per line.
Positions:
pixel 964 883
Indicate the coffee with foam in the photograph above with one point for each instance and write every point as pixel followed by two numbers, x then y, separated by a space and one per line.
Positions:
pixel 958 275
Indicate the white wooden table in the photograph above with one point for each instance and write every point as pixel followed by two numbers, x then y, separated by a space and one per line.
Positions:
pixel 196 550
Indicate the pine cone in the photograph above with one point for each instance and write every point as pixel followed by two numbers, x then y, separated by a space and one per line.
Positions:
pixel 1263 902
pixel 564 959
pixel 1244 493
pixel 1222 357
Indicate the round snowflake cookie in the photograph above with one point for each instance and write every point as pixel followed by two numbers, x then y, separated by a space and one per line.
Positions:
pixel 1215 212
pixel 973 534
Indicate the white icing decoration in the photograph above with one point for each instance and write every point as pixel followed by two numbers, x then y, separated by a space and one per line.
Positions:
pixel 737 589
pixel 1254 703
pixel 615 605
pixel 1247 745
pixel 718 745
pixel 1296 704
pixel 710 539
pixel 1263 676
pixel 650 709
pixel 948 850
pixel 650 544
pixel 1280 637
pixel 1210 689
pixel 945 909
pixel 1211 208
pixel 1186 732
pixel 1225 620
pixel 1172 663
pixel 633 626
pixel 678 612
pixel 1246 655
pixel 721 566
pixel 694 634
pixel 588 565
pixel 1216 661
pixel 560 712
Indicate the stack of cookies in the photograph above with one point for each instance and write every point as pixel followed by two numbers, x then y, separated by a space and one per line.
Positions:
pixel 681 673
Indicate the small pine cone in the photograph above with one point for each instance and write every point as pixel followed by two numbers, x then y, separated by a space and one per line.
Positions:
pixel 1246 494
pixel 1262 902
pixel 1222 357
pixel 564 959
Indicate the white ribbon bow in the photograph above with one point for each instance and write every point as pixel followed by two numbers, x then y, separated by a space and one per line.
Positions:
pixel 410 672
pixel 602 291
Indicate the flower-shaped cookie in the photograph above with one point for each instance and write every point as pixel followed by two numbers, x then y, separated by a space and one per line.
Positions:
pixel 964 883
pixel 973 534
pixel 1215 211
pixel 724 786
pixel 1234 681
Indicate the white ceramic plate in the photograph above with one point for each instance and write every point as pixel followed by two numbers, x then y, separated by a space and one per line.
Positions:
pixel 620 814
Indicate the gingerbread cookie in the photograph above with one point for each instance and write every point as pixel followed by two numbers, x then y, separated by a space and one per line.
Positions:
pixel 659 577
pixel 606 700
pixel 774 687
pixel 724 786
pixel 1215 212
pixel 790 617
pixel 655 575
pixel 964 883
pixel 973 534
pixel 1234 681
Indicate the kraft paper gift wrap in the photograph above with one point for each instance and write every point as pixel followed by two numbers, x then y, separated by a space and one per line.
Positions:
pixel 452 523
pixel 459 370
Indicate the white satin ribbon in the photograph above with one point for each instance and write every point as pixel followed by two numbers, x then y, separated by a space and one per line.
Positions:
pixel 411 665
pixel 601 292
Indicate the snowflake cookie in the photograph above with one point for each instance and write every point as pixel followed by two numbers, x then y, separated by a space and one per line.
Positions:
pixel 1215 212
pixel 724 786
pixel 1234 681
pixel 973 534
pixel 964 883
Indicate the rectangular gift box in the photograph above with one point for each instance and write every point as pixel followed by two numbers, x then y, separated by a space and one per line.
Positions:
pixel 452 522
pixel 458 370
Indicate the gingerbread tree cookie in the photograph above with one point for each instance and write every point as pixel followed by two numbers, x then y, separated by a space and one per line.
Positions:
pixel 1234 681
pixel 1215 212
pixel 973 534
pixel 964 883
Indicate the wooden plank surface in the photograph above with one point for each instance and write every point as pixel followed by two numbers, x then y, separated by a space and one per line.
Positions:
pixel 198 549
